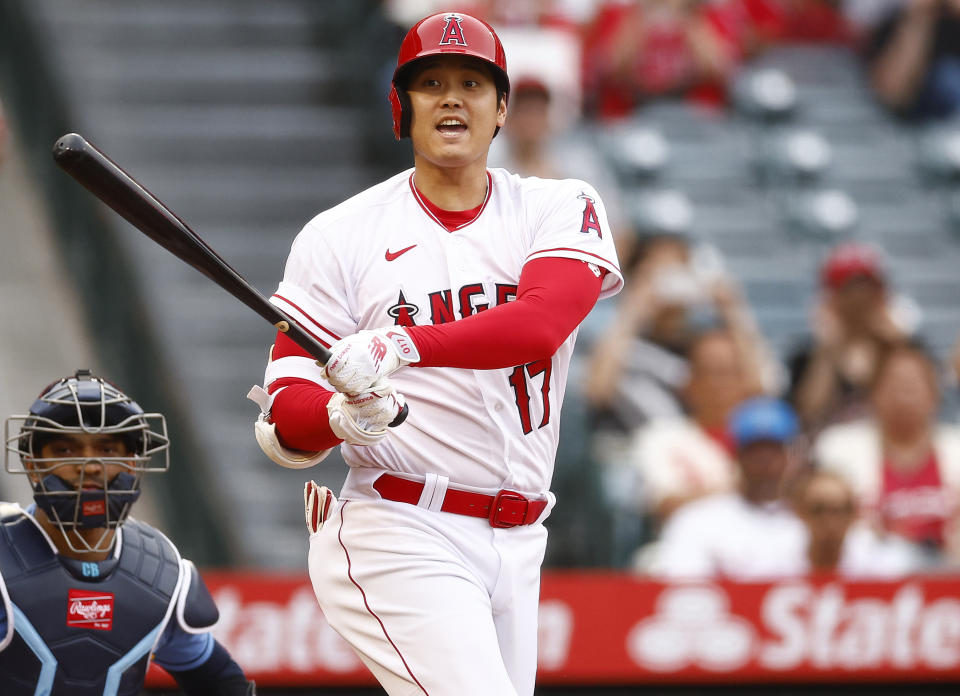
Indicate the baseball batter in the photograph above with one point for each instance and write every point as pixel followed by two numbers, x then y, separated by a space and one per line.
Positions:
pixel 461 289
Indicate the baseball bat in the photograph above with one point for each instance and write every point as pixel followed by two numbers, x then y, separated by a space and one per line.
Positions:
pixel 133 202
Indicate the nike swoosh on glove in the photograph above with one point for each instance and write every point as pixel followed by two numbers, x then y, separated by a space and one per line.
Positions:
pixel 318 503
pixel 360 362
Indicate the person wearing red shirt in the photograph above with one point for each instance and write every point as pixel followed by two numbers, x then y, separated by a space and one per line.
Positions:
pixel 901 462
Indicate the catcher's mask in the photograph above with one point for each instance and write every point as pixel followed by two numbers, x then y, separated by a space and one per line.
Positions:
pixel 96 492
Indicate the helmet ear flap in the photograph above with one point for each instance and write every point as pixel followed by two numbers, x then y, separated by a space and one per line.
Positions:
pixel 402 111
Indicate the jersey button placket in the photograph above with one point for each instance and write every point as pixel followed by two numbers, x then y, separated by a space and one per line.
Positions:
pixel 458 254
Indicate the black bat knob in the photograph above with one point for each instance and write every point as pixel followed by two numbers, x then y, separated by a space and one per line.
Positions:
pixel 402 416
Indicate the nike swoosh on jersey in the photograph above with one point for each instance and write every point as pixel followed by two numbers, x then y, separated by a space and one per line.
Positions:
pixel 391 255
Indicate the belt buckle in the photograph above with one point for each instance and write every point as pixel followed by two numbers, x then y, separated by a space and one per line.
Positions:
pixel 504 504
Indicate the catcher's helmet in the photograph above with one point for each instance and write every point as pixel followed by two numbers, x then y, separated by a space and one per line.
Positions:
pixel 77 406
pixel 440 34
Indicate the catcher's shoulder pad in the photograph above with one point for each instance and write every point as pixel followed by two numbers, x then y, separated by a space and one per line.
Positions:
pixel 9 511
pixel 196 610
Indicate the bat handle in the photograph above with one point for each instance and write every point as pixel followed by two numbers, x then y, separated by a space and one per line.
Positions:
pixel 402 416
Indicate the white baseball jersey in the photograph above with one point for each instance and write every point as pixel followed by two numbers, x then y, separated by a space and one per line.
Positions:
pixel 381 258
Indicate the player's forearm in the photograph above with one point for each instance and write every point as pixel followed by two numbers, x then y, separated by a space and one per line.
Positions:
pixel 299 409
pixel 300 414
pixel 218 676
pixel 553 297
pixel 494 339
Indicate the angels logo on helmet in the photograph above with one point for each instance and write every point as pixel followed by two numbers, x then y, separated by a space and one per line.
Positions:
pixel 453 32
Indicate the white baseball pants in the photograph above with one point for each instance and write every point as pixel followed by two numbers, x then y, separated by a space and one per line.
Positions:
pixel 433 603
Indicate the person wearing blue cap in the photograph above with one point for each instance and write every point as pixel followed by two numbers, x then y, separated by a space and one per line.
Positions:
pixel 762 430
pixel 750 533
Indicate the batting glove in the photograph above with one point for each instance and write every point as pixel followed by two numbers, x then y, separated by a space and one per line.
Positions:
pixel 362 419
pixel 360 362
pixel 318 502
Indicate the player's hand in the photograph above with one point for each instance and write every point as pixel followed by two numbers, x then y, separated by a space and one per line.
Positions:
pixel 360 362
pixel 362 419
pixel 318 502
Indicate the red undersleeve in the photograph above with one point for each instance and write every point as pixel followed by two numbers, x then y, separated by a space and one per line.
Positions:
pixel 553 296
pixel 300 410
pixel 300 414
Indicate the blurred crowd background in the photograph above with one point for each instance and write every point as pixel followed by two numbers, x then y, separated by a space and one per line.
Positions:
pixel 774 393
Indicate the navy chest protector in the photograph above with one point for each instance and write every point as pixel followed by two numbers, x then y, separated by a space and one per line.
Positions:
pixel 83 628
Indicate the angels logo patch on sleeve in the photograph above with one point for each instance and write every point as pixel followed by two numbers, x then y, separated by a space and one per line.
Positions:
pixel 591 222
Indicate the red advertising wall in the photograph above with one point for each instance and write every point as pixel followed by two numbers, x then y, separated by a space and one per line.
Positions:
pixel 610 628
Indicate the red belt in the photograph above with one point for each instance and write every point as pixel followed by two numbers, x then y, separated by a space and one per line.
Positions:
pixel 505 509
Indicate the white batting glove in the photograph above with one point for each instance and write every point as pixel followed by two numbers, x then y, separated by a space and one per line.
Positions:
pixel 318 502
pixel 362 419
pixel 360 362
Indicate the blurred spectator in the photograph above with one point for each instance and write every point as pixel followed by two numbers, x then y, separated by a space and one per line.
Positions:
pixel 840 543
pixel 749 25
pixel 499 13
pixel 637 51
pixel 852 327
pixel 750 533
pixel 408 12
pixel 638 367
pixel 903 466
pixel 955 361
pixel 533 144
pixel 553 13
pixel 863 15
pixel 913 56
pixel 951 409
pixel 814 20
pixel 530 131
pixel 686 457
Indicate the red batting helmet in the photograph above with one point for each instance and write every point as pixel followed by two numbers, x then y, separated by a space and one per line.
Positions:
pixel 439 34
